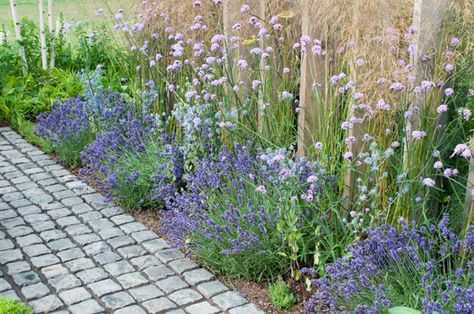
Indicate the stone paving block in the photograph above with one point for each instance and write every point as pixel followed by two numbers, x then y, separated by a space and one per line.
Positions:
pixel 182 265
pixel 74 296
pixel 158 272
pixel 78 229
pixel 28 240
pixel 10 256
pixel 246 309
pixel 171 284
pixel 70 254
pixel 120 241
pixel 61 245
pixel 4 285
pixel 36 218
pixel 43 226
pixel 35 291
pixel 59 213
pixel 101 224
pixel 67 221
pixel 111 211
pixel 71 201
pixel 145 293
pixel 55 188
pixel 10 197
pixel 90 216
pixel 211 288
pixel 20 203
pixel 185 296
pixel 110 233
pixel 135 309
pixel 89 307
pixel 97 248
pixel 19 231
pixel 156 245
pixel 122 219
pixel 18 267
pixel 54 271
pixel 117 300
pixel 21 179
pixel 81 209
pixel 36 250
pixel 6 244
pixel 143 262
pixel 169 255
pixel 51 235
pixel 26 278
pixel 103 287
pixel 13 222
pixel 107 257
pixel 132 227
pixel 85 239
pixel 202 307
pixel 44 260
pixel 119 268
pixel 142 236
pixel 96 200
pixel 131 280
pixel 61 195
pixel 7 214
pixel 64 282
pixel 131 251
pixel 80 264
pixel 46 304
pixel 159 305
pixel 92 275
pixel 229 300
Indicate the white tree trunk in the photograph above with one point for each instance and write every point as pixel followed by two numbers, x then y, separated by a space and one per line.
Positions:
pixel 44 58
pixel 51 33
pixel 16 22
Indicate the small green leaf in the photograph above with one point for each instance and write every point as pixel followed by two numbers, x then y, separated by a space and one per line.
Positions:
pixel 403 310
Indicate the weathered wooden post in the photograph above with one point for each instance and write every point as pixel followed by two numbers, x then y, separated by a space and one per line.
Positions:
pixel 313 78
pixel 52 34
pixel 16 22
pixel 469 198
pixel 44 58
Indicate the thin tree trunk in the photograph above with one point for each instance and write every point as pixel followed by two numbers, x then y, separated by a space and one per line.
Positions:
pixel 16 22
pixel 44 58
pixel 51 34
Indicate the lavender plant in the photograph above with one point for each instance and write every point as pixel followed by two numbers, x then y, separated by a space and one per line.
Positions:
pixel 256 216
pixel 424 268
pixel 132 163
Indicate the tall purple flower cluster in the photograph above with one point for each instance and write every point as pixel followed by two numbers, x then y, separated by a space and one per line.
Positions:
pixel 434 265
pixel 232 207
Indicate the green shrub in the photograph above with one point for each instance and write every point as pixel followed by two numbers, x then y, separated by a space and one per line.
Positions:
pixel 280 295
pixel 10 306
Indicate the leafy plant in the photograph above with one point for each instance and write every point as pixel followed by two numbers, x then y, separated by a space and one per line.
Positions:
pixel 281 295
pixel 10 306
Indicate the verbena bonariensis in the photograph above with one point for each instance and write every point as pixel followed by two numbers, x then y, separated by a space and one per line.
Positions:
pixel 252 216
pixel 425 268
pixel 133 163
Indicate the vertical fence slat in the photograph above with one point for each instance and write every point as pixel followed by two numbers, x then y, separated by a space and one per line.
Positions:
pixel 16 22
pixel 310 104
pixel 469 198
pixel 44 59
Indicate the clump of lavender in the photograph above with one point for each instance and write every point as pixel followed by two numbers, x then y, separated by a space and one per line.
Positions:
pixel 426 268
pixel 133 163
pixel 241 213
pixel 72 125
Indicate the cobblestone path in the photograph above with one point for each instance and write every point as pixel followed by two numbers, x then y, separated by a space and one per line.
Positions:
pixel 64 250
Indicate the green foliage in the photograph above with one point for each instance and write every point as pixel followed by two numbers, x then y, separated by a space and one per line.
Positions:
pixel 136 193
pixel 10 306
pixel 402 310
pixel 281 295
pixel 26 129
